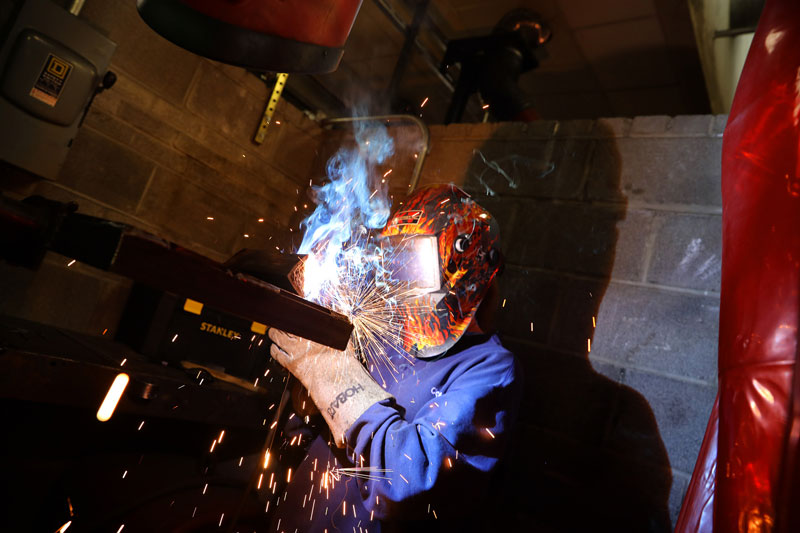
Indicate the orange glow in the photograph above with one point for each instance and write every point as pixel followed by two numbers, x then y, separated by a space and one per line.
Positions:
pixel 63 528
pixel 112 397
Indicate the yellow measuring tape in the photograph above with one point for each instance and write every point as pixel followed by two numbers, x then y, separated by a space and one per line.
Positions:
pixel 261 134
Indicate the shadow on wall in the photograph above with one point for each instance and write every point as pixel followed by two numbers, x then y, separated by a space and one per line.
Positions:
pixel 587 455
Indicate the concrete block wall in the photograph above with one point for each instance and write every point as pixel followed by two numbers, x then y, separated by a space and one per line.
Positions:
pixel 164 149
pixel 611 230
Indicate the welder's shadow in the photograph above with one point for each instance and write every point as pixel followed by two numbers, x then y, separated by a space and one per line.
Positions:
pixel 587 454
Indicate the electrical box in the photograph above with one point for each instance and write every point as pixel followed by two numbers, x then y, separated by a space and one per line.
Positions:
pixel 51 64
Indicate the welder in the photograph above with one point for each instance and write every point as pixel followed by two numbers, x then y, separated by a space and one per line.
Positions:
pixel 424 442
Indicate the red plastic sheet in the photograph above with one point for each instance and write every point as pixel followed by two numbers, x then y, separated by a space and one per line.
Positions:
pixel 759 293
pixel 760 272
pixel 697 513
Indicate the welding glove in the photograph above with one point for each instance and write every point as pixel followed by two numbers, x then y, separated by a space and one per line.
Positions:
pixel 340 386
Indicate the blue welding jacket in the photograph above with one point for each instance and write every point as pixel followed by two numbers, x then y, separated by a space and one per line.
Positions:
pixel 432 449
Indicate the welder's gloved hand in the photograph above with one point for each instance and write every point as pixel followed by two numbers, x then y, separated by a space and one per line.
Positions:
pixel 340 386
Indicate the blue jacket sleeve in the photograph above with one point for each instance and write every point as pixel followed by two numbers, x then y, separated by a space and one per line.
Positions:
pixel 444 456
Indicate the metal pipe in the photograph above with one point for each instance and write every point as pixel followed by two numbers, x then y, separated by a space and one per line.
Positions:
pixel 411 32
pixel 426 55
pixel 76 6
pixel 426 137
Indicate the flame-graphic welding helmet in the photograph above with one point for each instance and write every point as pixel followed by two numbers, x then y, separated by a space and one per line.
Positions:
pixel 444 247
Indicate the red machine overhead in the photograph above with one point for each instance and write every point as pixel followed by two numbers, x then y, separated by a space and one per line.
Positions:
pixel 322 22
pixel 759 293
pixel 305 36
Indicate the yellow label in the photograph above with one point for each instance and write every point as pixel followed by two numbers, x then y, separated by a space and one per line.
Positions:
pixel 219 330
pixel 257 327
pixel 58 67
pixel 190 306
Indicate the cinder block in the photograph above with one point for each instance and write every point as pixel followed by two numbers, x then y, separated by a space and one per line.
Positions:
pixel 569 159
pixel 159 152
pixel 680 484
pixel 143 143
pixel 176 116
pixel 631 251
pixel 690 125
pixel 449 161
pixel 579 238
pixel 681 410
pixel 718 127
pixel 149 58
pixel 537 129
pixel 504 210
pixel 688 252
pixel 200 152
pixel 243 77
pixel 612 127
pixel 526 298
pixel 181 208
pixel 107 102
pixel 293 152
pixel 530 168
pixel 78 297
pixel 464 130
pixel 90 207
pixel 578 303
pixel 130 90
pixel 649 125
pixel 574 128
pixel 525 242
pixel 511 168
pixel 232 109
pixel 106 170
pixel 241 194
pixel 603 180
pixel 146 121
pixel 659 171
pixel 109 125
pixel 663 331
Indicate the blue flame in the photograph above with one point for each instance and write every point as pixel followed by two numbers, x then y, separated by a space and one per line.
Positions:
pixel 354 197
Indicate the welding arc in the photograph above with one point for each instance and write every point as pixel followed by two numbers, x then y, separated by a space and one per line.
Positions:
pixel 267 446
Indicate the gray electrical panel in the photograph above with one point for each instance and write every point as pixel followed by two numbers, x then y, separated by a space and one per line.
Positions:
pixel 50 66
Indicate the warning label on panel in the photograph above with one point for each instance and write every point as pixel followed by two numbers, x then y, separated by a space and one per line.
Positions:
pixel 51 81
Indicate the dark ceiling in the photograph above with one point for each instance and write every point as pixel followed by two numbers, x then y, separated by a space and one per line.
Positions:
pixel 610 58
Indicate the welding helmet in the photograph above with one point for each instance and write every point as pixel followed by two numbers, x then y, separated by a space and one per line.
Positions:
pixel 444 247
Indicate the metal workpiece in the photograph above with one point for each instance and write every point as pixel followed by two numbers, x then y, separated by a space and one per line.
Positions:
pixel 42 224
